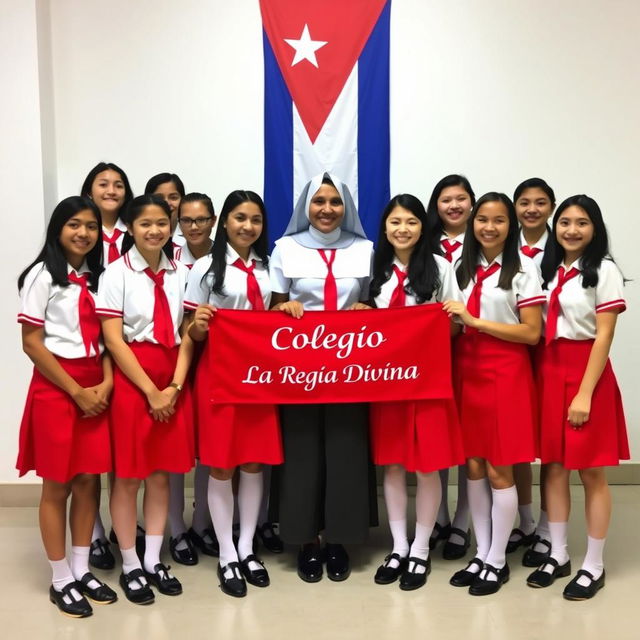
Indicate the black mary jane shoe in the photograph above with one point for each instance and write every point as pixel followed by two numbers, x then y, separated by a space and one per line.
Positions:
pixel 102 594
pixel 522 539
pixel 483 587
pixel 235 585
pixel 386 574
pixel 100 556
pixel 338 567
pixel 256 577
pixel 143 594
pixel 269 537
pixel 208 548
pixel 163 581
pixel 453 550
pixel 411 580
pixel 188 555
pixel 540 578
pixel 75 608
pixel 575 591
pixel 440 532
pixel 464 577
pixel 533 558
pixel 310 562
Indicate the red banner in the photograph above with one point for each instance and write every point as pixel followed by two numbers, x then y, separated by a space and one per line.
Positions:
pixel 268 357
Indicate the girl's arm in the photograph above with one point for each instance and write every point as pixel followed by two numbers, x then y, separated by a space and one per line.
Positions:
pixel 527 331
pixel 45 362
pixel 104 389
pixel 185 355
pixel 281 302
pixel 580 406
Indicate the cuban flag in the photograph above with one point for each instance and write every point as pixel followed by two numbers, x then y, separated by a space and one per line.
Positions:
pixel 326 102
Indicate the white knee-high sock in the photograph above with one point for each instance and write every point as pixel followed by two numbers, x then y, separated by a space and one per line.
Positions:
pixel 220 498
pixel 593 560
pixel 249 498
pixel 176 507
pixel 395 497
pixel 428 498
pixel 527 522
pixel 263 514
pixel 461 516
pixel 443 517
pixel 503 515
pixel 480 508
pixel 201 518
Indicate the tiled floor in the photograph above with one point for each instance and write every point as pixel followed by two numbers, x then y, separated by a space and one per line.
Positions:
pixel 356 609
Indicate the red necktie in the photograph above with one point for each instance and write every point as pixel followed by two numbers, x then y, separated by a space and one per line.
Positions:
pixel 530 252
pixel 398 297
pixel 473 305
pixel 449 248
pixel 114 254
pixel 88 320
pixel 330 289
pixel 162 322
pixel 553 310
pixel 254 295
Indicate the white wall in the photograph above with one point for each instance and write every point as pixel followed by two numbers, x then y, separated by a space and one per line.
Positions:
pixel 498 90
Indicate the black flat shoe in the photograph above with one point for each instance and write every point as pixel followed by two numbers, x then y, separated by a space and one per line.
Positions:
pixel 483 587
pixel 188 555
pixel 102 594
pixel 235 585
pixel 522 540
pixel 453 550
pixel 411 580
pixel 208 548
pixel 533 558
pixel 100 556
pixel 575 591
pixel 464 577
pixel 338 568
pixel 163 581
pixel 75 608
pixel 142 595
pixel 269 538
pixel 310 563
pixel 440 532
pixel 540 578
pixel 256 577
pixel 386 574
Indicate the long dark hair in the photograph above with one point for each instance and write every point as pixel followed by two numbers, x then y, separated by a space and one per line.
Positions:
pixel 435 227
pixel 52 254
pixel 134 209
pixel 105 166
pixel 511 264
pixel 219 248
pixel 595 252
pixel 423 274
pixel 161 178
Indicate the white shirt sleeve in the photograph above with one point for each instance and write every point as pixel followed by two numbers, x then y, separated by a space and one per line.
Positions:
pixel 34 296
pixel 279 283
pixel 198 290
pixel 527 285
pixel 610 288
pixel 449 289
pixel 111 291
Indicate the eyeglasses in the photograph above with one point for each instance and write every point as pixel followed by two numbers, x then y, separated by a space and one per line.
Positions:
pixel 199 222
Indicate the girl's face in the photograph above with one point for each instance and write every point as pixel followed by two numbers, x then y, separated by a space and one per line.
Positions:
pixel 454 209
pixel 172 197
pixel 402 228
pixel 574 231
pixel 491 226
pixel 533 208
pixel 151 229
pixel 326 209
pixel 196 222
pixel 78 236
pixel 244 225
pixel 108 192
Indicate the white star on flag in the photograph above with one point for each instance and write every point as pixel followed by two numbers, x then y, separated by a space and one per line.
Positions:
pixel 305 48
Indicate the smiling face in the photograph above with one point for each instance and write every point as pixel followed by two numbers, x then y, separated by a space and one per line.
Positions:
pixel 533 208
pixel 574 232
pixel 196 222
pixel 151 229
pixel 244 226
pixel 169 191
pixel 78 236
pixel 454 209
pixel 491 227
pixel 403 229
pixel 108 192
pixel 326 209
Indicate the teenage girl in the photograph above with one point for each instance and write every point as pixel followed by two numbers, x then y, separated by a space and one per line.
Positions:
pixel 535 201
pixel 448 212
pixel 234 276
pixel 422 436
pixel 64 435
pixel 141 306
pixel 171 188
pixel 493 380
pixel 582 420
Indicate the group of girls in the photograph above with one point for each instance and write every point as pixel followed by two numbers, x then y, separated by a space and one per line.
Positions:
pixel 117 349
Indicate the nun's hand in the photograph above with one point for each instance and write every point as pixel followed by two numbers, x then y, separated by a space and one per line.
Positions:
pixel 291 307
pixel 359 306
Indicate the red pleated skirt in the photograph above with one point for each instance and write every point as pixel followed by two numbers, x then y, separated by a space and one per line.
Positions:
pixel 496 398
pixel 602 440
pixel 233 434
pixel 142 445
pixel 56 441
pixel 421 436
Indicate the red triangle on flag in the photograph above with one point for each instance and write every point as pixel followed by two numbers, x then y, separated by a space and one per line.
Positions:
pixel 317 45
